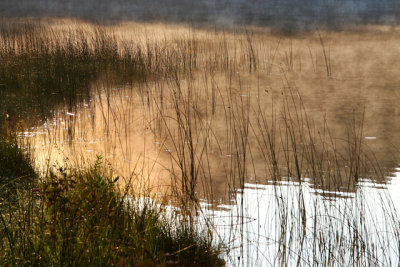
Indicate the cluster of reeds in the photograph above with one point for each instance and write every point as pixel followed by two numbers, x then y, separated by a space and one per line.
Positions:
pixel 220 127
pixel 77 216
pixel 222 120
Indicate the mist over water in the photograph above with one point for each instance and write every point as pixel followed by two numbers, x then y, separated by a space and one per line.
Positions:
pixel 282 14
pixel 288 143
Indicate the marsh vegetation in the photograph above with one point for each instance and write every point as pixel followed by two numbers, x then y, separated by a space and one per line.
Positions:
pixel 199 120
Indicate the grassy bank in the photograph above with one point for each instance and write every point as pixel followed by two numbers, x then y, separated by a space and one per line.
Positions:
pixel 76 217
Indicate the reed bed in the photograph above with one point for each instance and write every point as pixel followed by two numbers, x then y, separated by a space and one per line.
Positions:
pixel 208 113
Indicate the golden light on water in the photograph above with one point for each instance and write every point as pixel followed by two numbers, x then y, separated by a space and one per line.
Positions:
pixel 242 85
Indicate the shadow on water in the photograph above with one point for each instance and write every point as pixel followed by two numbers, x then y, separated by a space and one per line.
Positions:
pixel 43 70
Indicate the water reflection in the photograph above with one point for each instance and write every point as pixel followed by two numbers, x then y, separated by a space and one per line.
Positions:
pixel 293 225
pixel 240 137
pixel 232 108
pixel 264 221
pixel 111 127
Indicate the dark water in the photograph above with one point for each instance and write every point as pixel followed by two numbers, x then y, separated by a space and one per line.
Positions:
pixel 286 14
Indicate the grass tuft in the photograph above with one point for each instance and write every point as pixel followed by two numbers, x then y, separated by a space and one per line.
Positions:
pixel 76 217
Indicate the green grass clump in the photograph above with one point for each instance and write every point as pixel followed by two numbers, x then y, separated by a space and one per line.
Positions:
pixel 81 218
pixel 16 171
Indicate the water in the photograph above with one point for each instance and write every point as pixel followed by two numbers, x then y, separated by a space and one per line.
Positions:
pixel 290 223
pixel 263 222
pixel 283 14
pixel 290 164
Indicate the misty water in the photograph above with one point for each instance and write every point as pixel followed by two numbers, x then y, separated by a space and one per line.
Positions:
pixel 285 14
pixel 253 217
pixel 287 144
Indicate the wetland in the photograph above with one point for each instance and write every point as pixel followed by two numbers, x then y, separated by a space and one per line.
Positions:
pixel 268 148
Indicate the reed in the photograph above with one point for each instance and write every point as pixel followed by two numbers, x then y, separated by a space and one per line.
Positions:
pixel 226 109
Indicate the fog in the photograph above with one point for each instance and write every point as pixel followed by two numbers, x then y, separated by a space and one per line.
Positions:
pixel 286 14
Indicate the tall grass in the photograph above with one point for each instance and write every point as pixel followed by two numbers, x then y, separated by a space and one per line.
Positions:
pixel 228 131
pixel 42 70
pixel 71 217
pixel 226 109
